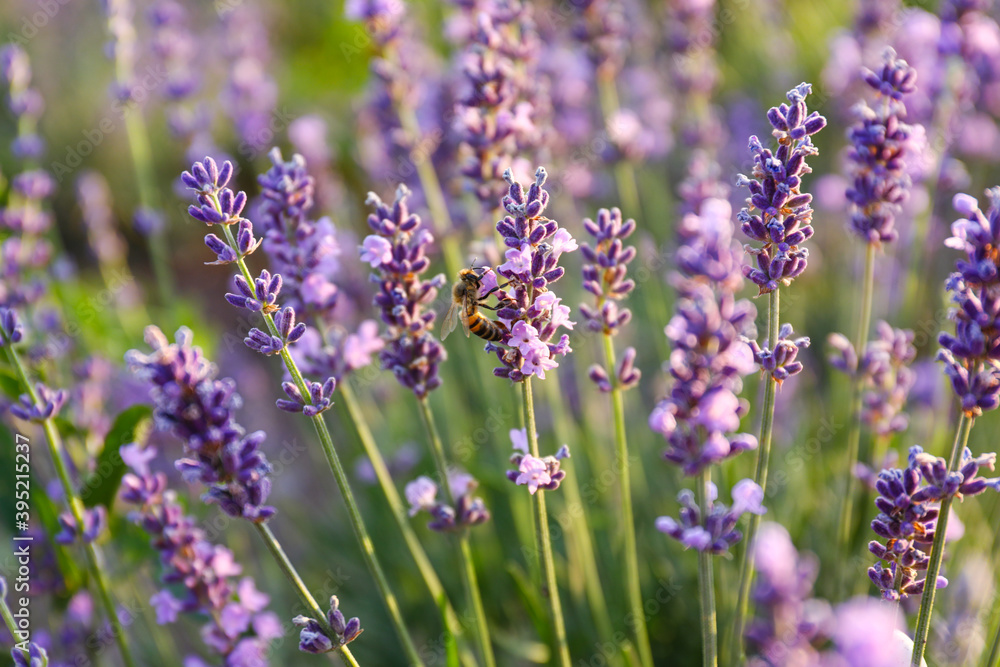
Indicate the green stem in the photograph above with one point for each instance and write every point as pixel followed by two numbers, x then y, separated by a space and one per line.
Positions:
pixel 293 576
pixel 854 436
pixel 965 424
pixel 75 505
pixel 580 527
pixel 138 142
pixel 550 589
pixel 760 477
pixel 434 585
pixel 326 442
pixel 469 578
pixel 8 619
pixel 994 658
pixel 633 588
pixel 706 585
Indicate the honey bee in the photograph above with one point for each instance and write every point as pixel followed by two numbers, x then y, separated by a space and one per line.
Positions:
pixel 465 305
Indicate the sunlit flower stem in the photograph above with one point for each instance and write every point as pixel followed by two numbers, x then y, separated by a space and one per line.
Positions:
pixel 550 588
pixel 469 578
pixel 922 629
pixel 58 454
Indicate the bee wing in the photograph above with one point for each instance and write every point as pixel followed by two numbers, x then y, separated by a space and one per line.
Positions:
pixel 465 309
pixel 448 325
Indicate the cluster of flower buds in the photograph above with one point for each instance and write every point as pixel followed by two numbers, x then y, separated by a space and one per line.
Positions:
pixel 220 205
pixel 95 520
pixel 908 504
pixel 780 361
pixel 397 251
pixel 531 312
pixel 778 213
pixel 48 405
pixel 314 639
pixel 716 531
pixel 198 408
pixel 971 355
pixel 239 628
pixel 884 369
pixel 881 144
pixel 536 473
pixel 422 494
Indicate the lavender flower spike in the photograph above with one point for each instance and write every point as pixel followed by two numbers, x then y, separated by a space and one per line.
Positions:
pixel 716 532
pixel 312 638
pixel 532 313
pixel 469 510
pixel 971 356
pixel 199 409
pixel 397 251
pixel 881 145
pixel 778 214
pixel 239 628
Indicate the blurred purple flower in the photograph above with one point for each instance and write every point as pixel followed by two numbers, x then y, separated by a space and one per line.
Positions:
pixel 199 409
pixel 716 532
pixel 239 625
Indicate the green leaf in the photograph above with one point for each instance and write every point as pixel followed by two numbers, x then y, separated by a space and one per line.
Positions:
pixel 102 485
pixel 9 385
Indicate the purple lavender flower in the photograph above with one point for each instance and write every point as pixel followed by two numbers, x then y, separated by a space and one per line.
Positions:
pixel 971 354
pixel 250 94
pixel 535 473
pixel 25 253
pixel 95 520
pixel 24 102
pixel 879 152
pixel 884 370
pixel 531 312
pixel 780 361
pixel 50 402
pixel 778 214
pixel 693 71
pixel 11 330
pixel 312 637
pixel 37 656
pixel 240 629
pixel 908 505
pixel 603 27
pixel 422 494
pixel 788 621
pixel 397 251
pixel 496 114
pixel 716 532
pixel 710 355
pixel 199 409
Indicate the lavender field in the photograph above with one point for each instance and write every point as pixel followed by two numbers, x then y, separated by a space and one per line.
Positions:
pixel 496 332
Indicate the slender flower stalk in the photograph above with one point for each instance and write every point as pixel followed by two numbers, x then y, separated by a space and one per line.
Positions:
pixel 469 579
pixel 219 205
pixel 40 404
pixel 779 217
pixel 550 588
pixel 604 276
pixel 880 186
pixel 970 359
pixel 531 315
pixel 148 217
pixel 396 252
pixel 994 658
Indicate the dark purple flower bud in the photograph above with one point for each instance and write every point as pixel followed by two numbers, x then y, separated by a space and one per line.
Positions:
pixel 94 522
pixel 36 656
pixel 48 405
pixel 11 330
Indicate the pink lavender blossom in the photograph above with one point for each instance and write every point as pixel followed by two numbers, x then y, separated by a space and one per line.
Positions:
pixel 397 252
pixel 529 309
pixel 239 628
pixel 531 471
pixel 715 532
pixel 422 494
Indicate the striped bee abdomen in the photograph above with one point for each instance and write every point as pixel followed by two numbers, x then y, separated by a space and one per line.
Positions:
pixel 484 327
